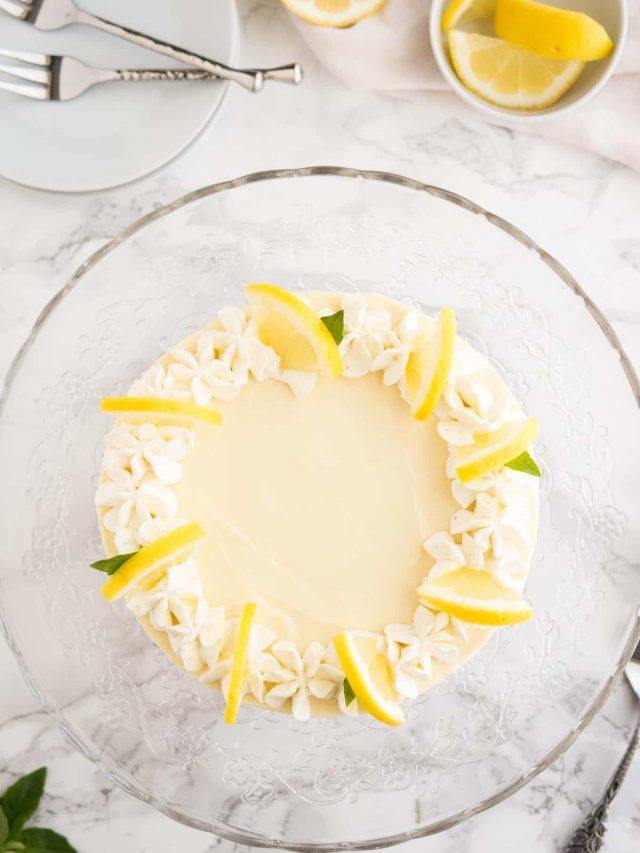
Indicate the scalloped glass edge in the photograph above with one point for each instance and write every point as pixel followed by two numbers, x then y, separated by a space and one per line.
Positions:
pixel 78 739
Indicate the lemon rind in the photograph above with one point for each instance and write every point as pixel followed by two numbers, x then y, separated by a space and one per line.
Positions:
pixel 480 464
pixel 162 552
pixel 456 13
pixel 515 102
pixel 239 664
pixel 384 710
pixel 305 321
pixel 534 27
pixel 161 408
pixel 444 343
pixel 332 20
pixel 490 612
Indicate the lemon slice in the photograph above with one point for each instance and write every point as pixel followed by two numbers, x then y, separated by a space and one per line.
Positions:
pixel 463 11
pixel 508 76
pixel 492 450
pixel 295 332
pixel 239 664
pixel 551 32
pixel 175 411
pixel 429 366
pixel 149 563
pixel 333 13
pixel 368 674
pixel 475 597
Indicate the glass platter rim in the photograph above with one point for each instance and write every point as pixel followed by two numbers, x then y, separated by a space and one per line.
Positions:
pixel 79 740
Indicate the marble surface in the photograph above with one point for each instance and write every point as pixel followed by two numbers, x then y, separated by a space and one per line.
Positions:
pixel 583 209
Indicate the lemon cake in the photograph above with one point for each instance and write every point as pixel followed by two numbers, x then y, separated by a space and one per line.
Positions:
pixel 320 503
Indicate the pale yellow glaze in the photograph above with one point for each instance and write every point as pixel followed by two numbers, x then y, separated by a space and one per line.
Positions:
pixel 317 509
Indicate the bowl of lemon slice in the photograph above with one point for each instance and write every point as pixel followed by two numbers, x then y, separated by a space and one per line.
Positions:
pixel 526 59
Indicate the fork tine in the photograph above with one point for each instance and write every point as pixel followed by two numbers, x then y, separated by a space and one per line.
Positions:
pixel 15 9
pixel 30 90
pixel 35 75
pixel 31 58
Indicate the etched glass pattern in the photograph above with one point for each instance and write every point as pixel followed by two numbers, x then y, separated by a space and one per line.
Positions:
pixel 270 780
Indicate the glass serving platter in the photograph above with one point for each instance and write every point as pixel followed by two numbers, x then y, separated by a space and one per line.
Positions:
pixel 271 781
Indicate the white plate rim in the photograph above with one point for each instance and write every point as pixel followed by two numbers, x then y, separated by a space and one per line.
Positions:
pixel 181 149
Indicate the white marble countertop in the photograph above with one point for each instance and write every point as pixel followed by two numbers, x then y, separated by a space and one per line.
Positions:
pixel 586 211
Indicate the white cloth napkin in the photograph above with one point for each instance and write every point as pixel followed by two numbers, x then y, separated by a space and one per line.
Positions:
pixel 390 52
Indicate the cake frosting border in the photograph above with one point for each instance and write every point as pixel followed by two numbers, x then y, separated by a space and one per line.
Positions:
pixel 490 531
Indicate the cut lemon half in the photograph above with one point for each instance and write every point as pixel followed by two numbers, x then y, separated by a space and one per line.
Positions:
pixel 148 564
pixel 475 597
pixel 173 411
pixel 294 331
pixel 463 11
pixel 492 450
pixel 368 674
pixel 239 664
pixel 551 32
pixel 429 365
pixel 333 13
pixel 508 76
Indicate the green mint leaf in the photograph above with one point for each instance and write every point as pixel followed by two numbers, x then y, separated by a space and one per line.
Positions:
pixel 21 800
pixel 111 565
pixel 13 845
pixel 526 464
pixel 4 827
pixel 335 324
pixel 37 840
pixel 349 695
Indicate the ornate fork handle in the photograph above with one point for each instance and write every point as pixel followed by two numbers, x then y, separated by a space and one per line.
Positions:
pixel 252 79
pixel 589 838
pixel 136 75
pixel 174 74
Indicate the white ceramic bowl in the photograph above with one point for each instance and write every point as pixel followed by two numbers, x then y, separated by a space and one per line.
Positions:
pixel 612 14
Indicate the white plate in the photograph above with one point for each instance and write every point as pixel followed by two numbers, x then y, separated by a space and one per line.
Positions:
pixel 115 132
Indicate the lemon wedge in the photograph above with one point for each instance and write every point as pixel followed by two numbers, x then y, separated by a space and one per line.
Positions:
pixel 294 331
pixel 174 411
pixel 551 32
pixel 333 13
pixel 429 365
pixel 148 564
pixel 492 450
pixel 476 597
pixel 368 674
pixel 239 664
pixel 508 76
pixel 464 11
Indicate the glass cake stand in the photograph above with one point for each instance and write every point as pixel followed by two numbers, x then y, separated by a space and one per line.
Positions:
pixel 353 784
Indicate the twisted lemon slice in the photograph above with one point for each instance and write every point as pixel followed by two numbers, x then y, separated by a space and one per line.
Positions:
pixel 239 664
pixel 295 332
pixel 551 32
pixel 149 563
pixel 476 597
pixel 368 674
pixel 174 411
pixel 429 366
pixel 491 451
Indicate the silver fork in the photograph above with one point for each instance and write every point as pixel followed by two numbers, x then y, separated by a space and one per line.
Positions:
pixel 61 78
pixel 589 837
pixel 55 14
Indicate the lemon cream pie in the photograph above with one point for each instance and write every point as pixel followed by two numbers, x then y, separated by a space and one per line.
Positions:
pixel 321 503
